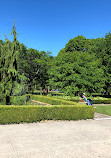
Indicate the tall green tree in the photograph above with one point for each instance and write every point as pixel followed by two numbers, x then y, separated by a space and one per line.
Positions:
pixel 34 65
pixel 11 83
pixel 77 69
pixel 107 62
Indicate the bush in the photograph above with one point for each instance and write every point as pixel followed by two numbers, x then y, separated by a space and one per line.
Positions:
pixel 2 99
pixel 52 100
pixel 19 100
pixel 17 114
pixel 101 100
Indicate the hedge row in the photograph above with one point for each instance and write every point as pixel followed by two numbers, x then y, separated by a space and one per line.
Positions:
pixel 96 100
pixel 108 101
pixel 17 114
pixel 52 100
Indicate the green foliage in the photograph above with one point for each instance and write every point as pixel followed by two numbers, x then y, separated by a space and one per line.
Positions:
pixel 34 65
pixel 21 69
pixel 100 100
pixel 3 99
pixel 19 100
pixel 17 114
pixel 54 93
pixel 77 71
pixel 96 100
pixel 84 65
pixel 14 33
pixel 10 79
pixel 76 44
pixel 107 62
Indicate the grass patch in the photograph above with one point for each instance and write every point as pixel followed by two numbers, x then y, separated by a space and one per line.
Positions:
pixel 104 110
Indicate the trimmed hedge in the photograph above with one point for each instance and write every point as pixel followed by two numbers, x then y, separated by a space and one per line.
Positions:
pixel 96 100
pixel 17 114
pixel 108 101
pixel 52 100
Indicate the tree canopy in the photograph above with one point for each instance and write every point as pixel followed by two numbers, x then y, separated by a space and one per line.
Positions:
pixel 84 65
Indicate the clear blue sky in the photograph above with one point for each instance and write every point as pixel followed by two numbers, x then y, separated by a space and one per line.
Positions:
pixel 49 24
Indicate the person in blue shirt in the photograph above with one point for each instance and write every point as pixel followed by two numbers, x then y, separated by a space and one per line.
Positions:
pixel 89 101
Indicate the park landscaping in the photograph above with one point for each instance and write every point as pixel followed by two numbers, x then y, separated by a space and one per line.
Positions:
pixel 58 82
pixel 104 109
pixel 57 109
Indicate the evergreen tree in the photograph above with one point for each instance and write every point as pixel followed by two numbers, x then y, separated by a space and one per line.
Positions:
pixel 11 82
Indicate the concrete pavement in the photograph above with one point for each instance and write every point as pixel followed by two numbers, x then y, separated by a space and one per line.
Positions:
pixel 56 139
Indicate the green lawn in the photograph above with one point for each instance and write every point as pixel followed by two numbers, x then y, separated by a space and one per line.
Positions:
pixel 104 109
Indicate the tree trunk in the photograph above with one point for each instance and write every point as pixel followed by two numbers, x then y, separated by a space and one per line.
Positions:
pixel 40 90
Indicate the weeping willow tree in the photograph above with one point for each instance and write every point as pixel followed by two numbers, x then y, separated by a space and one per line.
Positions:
pixel 11 82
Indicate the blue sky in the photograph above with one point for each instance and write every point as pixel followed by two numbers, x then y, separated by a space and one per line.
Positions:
pixel 49 24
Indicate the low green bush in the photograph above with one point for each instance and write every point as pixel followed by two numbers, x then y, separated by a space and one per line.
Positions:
pixel 52 100
pixel 101 100
pixel 19 100
pixel 17 114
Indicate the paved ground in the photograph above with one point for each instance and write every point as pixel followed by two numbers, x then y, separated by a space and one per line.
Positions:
pixel 57 139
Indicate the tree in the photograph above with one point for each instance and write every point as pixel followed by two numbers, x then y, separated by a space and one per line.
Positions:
pixel 77 70
pixel 11 83
pixel 76 44
pixel 107 62
pixel 34 65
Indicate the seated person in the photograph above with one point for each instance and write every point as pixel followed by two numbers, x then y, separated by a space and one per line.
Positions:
pixel 89 101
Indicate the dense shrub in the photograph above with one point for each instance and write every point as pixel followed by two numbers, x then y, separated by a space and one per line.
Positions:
pixel 17 114
pixel 2 99
pixel 19 100
pixel 101 100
